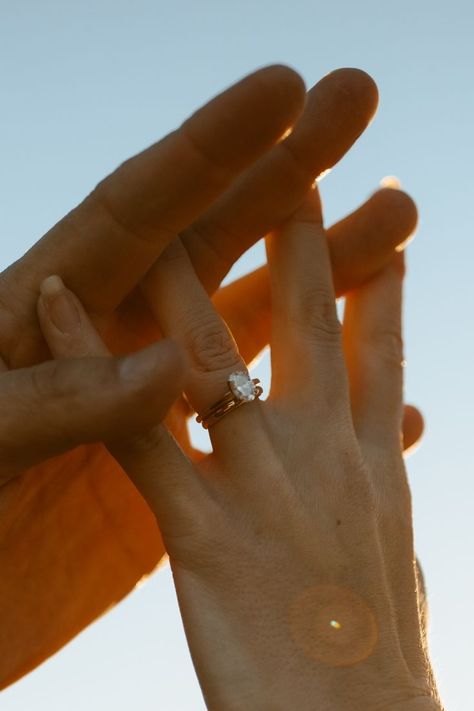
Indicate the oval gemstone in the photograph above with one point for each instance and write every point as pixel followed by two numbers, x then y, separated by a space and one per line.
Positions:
pixel 242 386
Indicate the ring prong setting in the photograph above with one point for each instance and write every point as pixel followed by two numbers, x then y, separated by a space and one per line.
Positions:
pixel 242 389
pixel 242 386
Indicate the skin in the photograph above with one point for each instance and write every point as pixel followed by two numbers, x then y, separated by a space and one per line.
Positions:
pixel 312 592
pixel 221 194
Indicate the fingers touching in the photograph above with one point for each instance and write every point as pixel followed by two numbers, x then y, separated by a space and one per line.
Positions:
pixel 120 401
pixel 65 323
pixel 185 313
pixel 104 247
pixel 85 395
pixel 61 404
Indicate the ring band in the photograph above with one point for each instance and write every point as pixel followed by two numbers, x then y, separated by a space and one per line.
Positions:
pixel 242 389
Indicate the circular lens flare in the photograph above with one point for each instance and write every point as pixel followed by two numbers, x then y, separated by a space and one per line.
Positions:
pixel 333 625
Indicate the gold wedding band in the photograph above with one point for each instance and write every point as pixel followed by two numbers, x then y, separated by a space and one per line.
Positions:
pixel 242 389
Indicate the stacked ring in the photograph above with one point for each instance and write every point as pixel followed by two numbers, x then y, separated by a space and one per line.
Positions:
pixel 242 389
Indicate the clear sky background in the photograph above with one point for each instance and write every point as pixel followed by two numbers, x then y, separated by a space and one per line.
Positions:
pixel 86 84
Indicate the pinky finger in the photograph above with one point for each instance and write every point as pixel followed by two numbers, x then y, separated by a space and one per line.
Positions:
pixel 374 354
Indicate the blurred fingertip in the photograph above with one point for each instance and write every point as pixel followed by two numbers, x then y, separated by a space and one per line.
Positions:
pixel 285 86
pixel 360 86
pixel 400 208
pixel 284 75
pixel 175 355
pixel 163 359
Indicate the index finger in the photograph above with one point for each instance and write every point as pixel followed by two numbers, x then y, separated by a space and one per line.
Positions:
pixel 104 246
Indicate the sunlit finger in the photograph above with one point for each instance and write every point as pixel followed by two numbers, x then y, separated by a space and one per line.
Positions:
pixel 374 354
pixel 360 245
pixel 186 314
pixel 307 359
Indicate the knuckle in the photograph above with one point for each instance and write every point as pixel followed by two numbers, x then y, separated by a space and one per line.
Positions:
pixel 212 347
pixel 216 173
pixel 70 380
pixel 50 381
pixel 316 315
pixel 174 253
pixel 386 345
pixel 145 443
pixel 354 483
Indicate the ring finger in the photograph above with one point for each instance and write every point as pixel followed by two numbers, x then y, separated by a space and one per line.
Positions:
pixel 186 314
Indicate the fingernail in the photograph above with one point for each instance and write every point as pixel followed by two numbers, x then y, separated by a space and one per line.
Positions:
pixel 60 305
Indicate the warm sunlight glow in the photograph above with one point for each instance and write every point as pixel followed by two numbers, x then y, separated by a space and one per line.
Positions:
pixel 391 181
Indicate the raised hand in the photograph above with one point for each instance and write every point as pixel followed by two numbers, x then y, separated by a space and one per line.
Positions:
pixel 102 250
pixel 291 544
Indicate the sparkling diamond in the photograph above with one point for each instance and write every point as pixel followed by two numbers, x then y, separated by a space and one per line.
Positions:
pixel 242 386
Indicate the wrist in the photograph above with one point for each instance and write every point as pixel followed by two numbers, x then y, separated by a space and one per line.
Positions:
pixel 268 700
pixel 306 689
pixel 269 666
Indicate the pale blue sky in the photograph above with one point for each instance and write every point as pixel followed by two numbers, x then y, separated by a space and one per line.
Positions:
pixel 84 85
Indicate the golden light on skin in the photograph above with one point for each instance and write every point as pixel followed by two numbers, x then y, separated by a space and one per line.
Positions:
pixel 287 133
pixel 391 181
pixel 322 175
pixel 333 626
pixel 401 247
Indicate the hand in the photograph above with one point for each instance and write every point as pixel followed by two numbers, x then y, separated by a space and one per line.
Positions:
pixel 102 249
pixel 291 544
pixel 388 218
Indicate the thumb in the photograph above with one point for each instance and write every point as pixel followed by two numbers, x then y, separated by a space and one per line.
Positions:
pixel 60 404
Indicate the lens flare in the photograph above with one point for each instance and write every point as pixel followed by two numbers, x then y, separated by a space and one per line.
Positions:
pixel 333 625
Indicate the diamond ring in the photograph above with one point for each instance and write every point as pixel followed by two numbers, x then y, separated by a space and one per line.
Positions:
pixel 242 389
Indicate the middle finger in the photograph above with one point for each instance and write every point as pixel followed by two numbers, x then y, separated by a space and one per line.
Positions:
pixel 308 369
